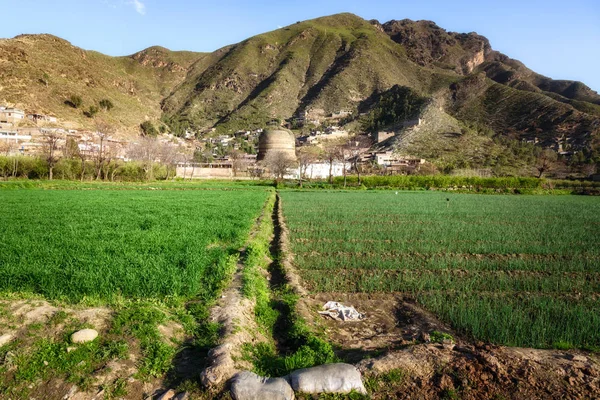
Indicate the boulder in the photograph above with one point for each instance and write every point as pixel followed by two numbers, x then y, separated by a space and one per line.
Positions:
pixel 329 378
pixel 246 385
pixel 84 336
pixel 5 339
pixel 168 395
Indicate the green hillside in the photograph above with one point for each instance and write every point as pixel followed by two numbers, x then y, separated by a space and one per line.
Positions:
pixel 320 66
pixel 40 72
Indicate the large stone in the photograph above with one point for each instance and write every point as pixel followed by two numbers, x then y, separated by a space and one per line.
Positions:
pixel 5 339
pixel 168 395
pixel 329 378
pixel 246 385
pixel 84 336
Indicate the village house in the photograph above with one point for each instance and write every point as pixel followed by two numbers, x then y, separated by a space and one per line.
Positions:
pixel 340 114
pixel 41 118
pixel 382 136
pixel 11 115
pixel 394 163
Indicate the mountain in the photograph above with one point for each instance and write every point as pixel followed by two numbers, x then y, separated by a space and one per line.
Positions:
pixel 476 106
pixel 40 72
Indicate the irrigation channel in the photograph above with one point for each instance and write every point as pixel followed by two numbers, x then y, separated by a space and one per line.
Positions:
pixel 260 326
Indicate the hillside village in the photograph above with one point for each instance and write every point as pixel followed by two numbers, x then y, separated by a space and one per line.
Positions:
pixel 328 151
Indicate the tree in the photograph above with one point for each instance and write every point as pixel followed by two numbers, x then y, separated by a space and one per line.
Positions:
pixel 148 129
pixel 279 163
pixel 71 148
pixel 237 160
pixel 332 151
pixel 546 161
pixel 352 149
pixel 306 156
pixel 103 130
pixel 146 150
pixel 83 154
pixel 50 149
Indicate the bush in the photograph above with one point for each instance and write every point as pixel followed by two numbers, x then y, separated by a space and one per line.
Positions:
pixel 106 104
pixel 74 101
pixel 148 129
pixel 91 112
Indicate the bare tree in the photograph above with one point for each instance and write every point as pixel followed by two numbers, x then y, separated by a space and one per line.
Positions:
pixel 353 149
pixel 103 130
pixel 50 150
pixel 146 150
pixel 279 163
pixel 332 152
pixel 83 154
pixel 237 160
pixel 546 161
pixel 306 156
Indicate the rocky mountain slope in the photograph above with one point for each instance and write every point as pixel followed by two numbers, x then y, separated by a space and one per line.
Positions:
pixel 41 72
pixel 477 98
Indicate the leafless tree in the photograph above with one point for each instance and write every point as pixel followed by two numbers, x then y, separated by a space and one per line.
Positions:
pixel 546 161
pixel 50 150
pixel 237 160
pixel 306 156
pixel 147 151
pixel 279 163
pixel 103 130
pixel 83 155
pixel 332 152
pixel 352 150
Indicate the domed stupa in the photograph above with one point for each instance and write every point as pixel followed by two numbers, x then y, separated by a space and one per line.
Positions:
pixel 275 140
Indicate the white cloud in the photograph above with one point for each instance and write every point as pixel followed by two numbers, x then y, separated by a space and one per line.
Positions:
pixel 139 6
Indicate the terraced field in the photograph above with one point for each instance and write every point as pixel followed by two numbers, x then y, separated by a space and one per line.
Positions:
pixel 513 270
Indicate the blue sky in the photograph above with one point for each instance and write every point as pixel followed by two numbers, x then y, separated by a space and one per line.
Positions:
pixel 558 38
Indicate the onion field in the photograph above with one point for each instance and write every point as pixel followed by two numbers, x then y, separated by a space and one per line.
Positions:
pixel 513 270
pixel 104 244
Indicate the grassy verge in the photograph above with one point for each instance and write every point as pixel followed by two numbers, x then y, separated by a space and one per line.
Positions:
pixel 291 345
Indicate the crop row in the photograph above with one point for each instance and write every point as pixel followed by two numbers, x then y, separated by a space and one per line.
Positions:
pixel 493 266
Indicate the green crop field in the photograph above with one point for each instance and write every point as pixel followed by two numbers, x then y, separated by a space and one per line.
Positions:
pixel 514 270
pixel 101 244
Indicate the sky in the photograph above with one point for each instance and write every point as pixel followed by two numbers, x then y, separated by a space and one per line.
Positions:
pixel 557 38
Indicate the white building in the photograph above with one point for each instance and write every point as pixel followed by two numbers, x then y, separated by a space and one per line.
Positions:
pixel 318 171
pixel 11 115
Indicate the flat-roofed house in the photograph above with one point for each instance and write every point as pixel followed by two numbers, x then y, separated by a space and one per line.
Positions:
pixel 11 115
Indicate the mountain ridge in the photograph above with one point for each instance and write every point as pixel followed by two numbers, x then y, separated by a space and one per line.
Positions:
pixel 315 67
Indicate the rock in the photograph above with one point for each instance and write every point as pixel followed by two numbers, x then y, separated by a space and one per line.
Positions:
pixel 168 395
pixel 182 396
pixel 246 385
pixel 84 336
pixel 575 357
pixel 425 337
pixel 5 339
pixel 329 378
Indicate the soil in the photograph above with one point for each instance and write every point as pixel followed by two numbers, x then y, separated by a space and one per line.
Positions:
pixel 395 335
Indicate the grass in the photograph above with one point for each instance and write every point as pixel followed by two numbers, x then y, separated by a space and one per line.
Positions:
pixel 157 254
pixel 513 270
pixel 275 312
pixel 106 244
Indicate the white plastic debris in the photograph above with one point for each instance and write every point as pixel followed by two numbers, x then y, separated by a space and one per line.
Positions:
pixel 340 312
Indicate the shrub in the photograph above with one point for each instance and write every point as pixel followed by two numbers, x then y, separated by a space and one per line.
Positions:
pixel 106 104
pixel 148 129
pixel 74 101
